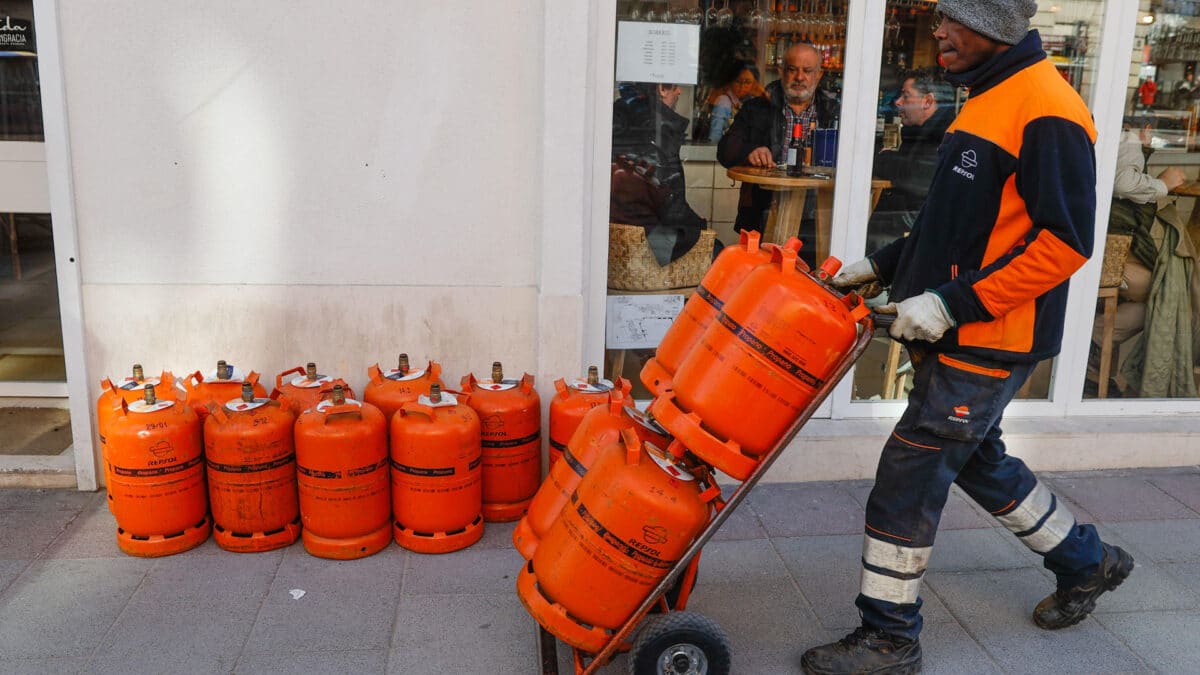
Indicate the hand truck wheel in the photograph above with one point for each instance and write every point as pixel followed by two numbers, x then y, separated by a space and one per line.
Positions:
pixel 680 643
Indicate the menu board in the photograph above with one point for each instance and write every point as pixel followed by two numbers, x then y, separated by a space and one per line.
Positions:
pixel 640 321
pixel 658 52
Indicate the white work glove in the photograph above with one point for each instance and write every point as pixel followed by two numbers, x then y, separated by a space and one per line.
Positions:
pixel 855 274
pixel 923 317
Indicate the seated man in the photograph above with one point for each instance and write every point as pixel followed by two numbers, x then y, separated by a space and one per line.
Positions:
pixel 762 130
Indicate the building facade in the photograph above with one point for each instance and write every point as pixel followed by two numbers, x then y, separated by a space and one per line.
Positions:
pixel 276 183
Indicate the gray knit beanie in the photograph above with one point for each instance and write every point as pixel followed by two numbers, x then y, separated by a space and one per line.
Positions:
pixel 1005 21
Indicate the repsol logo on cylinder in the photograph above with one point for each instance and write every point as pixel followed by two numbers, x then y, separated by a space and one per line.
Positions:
pixel 644 548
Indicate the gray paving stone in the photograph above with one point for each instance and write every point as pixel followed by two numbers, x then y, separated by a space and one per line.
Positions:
pixel 742 524
pixel 1164 541
pixel 1166 641
pixel 314 663
pixel 45 500
pixel 162 637
pixel 768 628
pixel 946 648
pixel 828 571
pixel 1185 573
pixel 1148 588
pixel 463 634
pixel 799 509
pixel 233 580
pixel 747 564
pixel 64 607
pixel 472 570
pixel 974 550
pixel 1121 498
pixel 10 570
pixel 995 606
pixel 1184 488
pixel 52 666
pixel 92 534
pixel 25 534
pixel 346 606
pixel 496 535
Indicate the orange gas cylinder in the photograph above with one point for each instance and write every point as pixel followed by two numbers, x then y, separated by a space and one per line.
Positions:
pixel 167 388
pixel 308 387
pixel 510 419
pixel 601 427
pixel 218 387
pixel 341 462
pixel 157 473
pixel 437 491
pixel 728 272
pixel 252 473
pixel 573 401
pixel 390 389
pixel 767 357
pixel 632 518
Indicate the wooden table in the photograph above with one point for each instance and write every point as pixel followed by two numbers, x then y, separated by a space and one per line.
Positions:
pixel 1188 189
pixel 787 209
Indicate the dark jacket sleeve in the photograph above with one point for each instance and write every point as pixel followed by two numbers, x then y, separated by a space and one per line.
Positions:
pixel 886 258
pixel 751 129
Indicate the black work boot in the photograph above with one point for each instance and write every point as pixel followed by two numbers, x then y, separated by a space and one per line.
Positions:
pixel 1068 607
pixel 864 651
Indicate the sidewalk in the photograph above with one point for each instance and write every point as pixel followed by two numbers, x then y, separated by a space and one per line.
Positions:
pixel 780 577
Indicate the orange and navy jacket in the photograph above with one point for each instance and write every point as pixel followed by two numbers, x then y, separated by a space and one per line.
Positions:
pixel 1010 214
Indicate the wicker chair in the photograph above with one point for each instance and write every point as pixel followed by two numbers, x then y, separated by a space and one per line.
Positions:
pixel 632 267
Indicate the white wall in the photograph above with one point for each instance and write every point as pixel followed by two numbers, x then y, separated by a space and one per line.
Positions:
pixel 277 182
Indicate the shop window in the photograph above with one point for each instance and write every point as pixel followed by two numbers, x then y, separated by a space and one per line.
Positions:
pixel 699 88
pixel 20 98
pixel 31 349
pixel 1145 339
pixel 916 105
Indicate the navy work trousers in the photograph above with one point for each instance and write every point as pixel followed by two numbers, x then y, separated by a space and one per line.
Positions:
pixel 950 433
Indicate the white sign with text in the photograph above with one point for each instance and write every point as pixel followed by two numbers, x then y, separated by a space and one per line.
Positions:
pixel 657 52
pixel 640 321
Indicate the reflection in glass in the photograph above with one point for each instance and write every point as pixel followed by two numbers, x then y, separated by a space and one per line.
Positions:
pixel 1145 338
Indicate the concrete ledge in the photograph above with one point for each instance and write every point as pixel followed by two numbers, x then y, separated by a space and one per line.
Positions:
pixel 849 449
pixel 28 471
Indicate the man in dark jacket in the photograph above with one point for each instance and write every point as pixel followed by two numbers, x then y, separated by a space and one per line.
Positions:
pixel 648 186
pixel 926 107
pixel 980 287
pixel 763 128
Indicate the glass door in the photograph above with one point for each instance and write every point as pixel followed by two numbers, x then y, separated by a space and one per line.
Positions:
pixel 31 340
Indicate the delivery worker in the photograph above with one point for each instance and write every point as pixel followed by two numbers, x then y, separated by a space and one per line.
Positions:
pixel 980 290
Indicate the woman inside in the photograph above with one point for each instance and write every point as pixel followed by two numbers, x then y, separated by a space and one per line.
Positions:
pixel 725 101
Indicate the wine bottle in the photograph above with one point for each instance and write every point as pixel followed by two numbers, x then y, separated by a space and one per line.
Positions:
pixel 795 153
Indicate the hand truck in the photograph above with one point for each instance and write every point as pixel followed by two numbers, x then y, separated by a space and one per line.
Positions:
pixel 676 641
